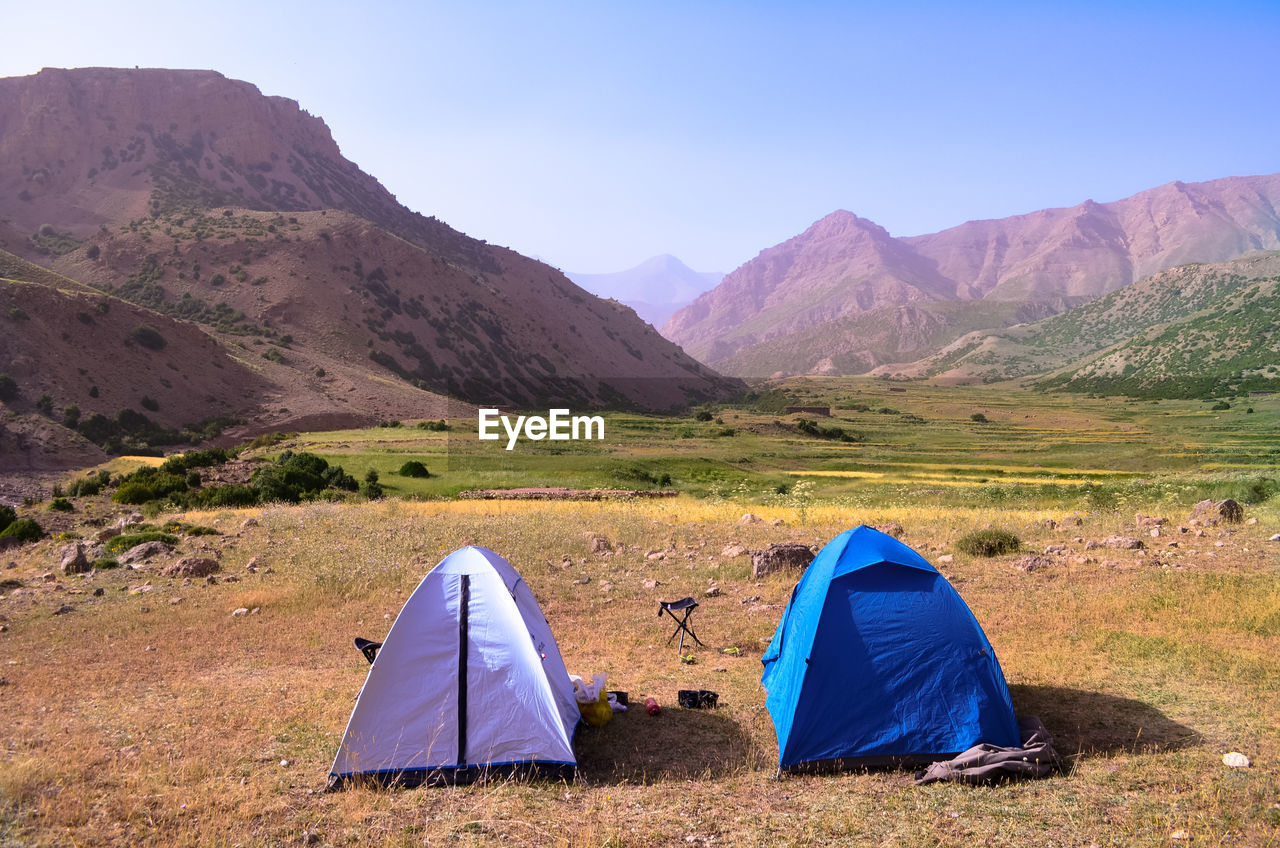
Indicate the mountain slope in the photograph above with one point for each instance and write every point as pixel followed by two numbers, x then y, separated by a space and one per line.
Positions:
pixel 1043 262
pixel 203 200
pixel 1189 331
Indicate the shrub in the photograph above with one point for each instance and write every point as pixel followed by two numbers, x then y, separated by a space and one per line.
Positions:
pixel 132 540
pixel 703 415
pixel 434 426
pixel 148 337
pixel 979 418
pixel 1219 406
pixel 24 530
pixel 413 468
pixel 149 403
pixel 61 505
pixel 84 487
pixel 71 416
pixel 7 516
pixel 371 476
pixel 93 252
pixel 988 543
pixel 8 387
pixel 105 564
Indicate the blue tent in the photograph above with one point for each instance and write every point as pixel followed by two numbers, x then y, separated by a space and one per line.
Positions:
pixel 878 661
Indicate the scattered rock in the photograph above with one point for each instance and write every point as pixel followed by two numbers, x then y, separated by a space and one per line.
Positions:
pixel 748 518
pixel 606 586
pixel 1275 538
pixel 1148 521
pixel 1155 532
pixel 1125 543
pixel 144 552
pixel 652 584
pixel 599 544
pixel 129 750
pixel 140 590
pixel 1180 835
pixel 1031 562
pixel 191 567
pixel 893 529
pixel 211 580
pixel 781 556
pixel 1235 760
pixel 946 558
pixel 732 551
pixel 49 577
pixel 175 601
pixel 108 534
pixel 1092 545
pixel 1211 512
pixel 248 522
pixel 1056 549
pixel 712 592
pixel 64 609
pixel 1072 521
pixel 583 580
pixel 754 599
pixel 239 611
pixel 778 522
pixel 99 592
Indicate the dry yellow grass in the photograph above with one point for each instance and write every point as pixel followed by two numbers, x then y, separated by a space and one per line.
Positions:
pixel 136 721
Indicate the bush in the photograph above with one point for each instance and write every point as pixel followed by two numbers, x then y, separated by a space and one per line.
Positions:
pixel 979 418
pixel 434 426
pixel 61 505
pixel 8 387
pixel 7 516
pixel 105 564
pixel 413 468
pixel 24 530
pixel 703 415
pixel 149 403
pixel 988 543
pixel 371 489
pixel 148 337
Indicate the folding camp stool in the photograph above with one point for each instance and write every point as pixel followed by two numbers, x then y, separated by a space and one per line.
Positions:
pixel 687 605
pixel 368 647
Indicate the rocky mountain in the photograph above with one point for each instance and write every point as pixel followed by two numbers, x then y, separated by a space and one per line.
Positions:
pixel 655 288
pixel 236 217
pixel 1193 331
pixel 846 297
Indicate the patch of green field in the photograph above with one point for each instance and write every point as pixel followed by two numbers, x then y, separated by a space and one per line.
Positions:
pixel 914 442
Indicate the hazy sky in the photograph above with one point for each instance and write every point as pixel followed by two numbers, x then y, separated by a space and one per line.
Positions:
pixel 597 134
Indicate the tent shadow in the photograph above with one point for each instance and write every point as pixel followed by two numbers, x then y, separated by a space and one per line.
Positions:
pixel 679 744
pixel 1095 724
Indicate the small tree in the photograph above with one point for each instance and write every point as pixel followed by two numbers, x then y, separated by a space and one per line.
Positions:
pixel 8 387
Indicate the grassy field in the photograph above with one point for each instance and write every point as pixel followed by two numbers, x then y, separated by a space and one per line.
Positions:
pixel 151 715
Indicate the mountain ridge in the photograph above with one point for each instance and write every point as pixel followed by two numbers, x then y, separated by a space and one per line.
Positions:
pixel 1049 260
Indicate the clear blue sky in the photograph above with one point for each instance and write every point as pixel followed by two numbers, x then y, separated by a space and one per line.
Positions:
pixel 597 134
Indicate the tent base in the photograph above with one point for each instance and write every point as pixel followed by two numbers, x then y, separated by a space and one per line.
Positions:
pixel 456 775
pixel 839 764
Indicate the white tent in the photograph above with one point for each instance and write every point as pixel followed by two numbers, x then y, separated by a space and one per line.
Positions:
pixel 468 683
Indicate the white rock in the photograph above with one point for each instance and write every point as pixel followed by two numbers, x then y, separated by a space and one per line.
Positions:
pixel 240 611
pixel 1235 760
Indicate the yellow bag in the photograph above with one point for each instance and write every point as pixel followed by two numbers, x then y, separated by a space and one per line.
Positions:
pixel 596 713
